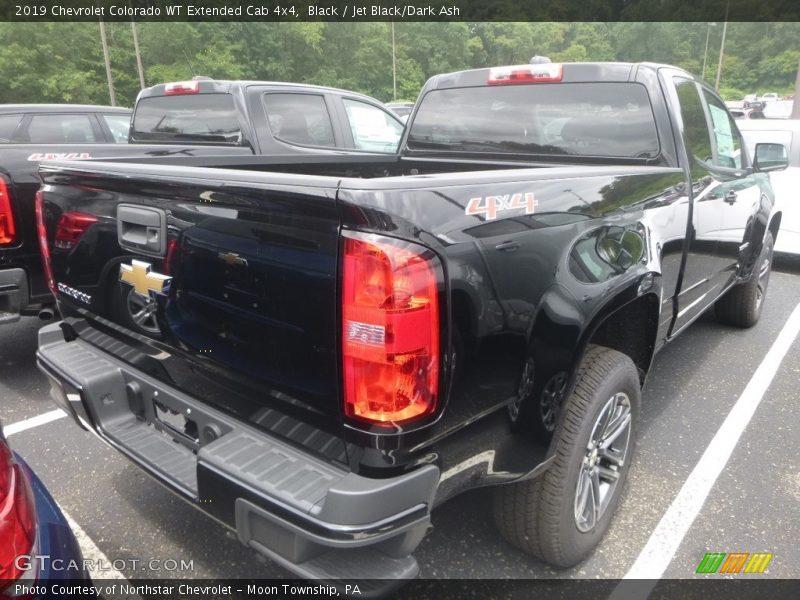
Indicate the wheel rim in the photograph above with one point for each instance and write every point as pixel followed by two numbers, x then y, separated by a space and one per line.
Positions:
pixel 603 461
pixel 524 390
pixel 763 280
pixel 142 312
pixel 550 402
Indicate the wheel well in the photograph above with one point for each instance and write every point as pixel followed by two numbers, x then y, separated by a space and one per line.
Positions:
pixel 632 331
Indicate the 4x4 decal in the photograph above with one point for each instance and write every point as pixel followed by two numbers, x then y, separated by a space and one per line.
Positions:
pixel 491 205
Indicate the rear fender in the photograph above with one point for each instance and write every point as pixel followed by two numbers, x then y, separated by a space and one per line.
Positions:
pixel 627 322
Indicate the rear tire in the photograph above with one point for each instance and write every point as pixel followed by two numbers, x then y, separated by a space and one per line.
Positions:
pixel 556 517
pixel 741 305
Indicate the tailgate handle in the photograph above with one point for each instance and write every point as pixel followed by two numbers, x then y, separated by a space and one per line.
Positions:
pixel 142 229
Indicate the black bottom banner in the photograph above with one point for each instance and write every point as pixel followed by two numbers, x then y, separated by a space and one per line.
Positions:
pixel 745 588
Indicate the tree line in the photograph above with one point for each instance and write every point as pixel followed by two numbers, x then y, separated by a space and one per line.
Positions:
pixel 63 62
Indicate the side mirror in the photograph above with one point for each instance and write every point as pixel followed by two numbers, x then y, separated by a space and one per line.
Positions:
pixel 770 157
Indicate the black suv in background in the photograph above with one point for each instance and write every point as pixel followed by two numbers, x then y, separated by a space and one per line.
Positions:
pixel 63 124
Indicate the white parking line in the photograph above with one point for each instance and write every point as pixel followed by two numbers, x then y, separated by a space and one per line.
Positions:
pixel 99 566
pixel 47 417
pixel 657 554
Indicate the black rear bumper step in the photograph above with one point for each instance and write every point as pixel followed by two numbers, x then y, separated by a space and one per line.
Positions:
pixel 313 517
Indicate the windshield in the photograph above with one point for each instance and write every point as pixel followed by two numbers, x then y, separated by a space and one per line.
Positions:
pixel 207 118
pixel 581 119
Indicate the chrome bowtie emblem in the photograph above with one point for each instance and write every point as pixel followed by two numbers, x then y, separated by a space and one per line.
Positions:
pixel 144 281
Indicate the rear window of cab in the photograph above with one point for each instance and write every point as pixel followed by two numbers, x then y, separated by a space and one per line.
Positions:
pixel 209 118
pixel 559 119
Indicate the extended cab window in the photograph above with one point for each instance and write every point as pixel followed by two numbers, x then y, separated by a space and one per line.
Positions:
pixel 61 129
pixel 8 125
pixel 373 129
pixel 300 119
pixel 583 119
pixel 695 128
pixel 210 118
pixel 726 135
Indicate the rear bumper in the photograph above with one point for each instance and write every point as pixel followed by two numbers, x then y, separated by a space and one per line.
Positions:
pixel 13 294
pixel 313 517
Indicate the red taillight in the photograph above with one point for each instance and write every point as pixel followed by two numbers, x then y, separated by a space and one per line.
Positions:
pixel 44 248
pixel 390 329
pixel 8 233
pixel 17 515
pixel 70 229
pixel 537 73
pixel 181 87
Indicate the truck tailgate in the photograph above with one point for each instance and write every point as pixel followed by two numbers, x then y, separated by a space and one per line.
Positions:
pixel 237 279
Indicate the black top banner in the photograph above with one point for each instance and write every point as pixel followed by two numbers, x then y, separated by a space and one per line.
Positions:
pixel 401 10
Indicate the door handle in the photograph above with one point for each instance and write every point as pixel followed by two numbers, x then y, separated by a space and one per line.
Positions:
pixel 507 245
pixel 730 197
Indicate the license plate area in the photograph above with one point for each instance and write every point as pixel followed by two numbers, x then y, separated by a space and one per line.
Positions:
pixel 182 420
pixel 174 423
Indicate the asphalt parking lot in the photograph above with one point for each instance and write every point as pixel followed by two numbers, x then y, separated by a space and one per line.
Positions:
pixel 753 506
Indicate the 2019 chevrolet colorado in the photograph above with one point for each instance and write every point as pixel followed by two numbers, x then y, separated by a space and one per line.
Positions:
pixel 344 343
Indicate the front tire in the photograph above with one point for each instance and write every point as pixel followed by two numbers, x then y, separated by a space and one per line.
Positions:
pixel 741 305
pixel 562 515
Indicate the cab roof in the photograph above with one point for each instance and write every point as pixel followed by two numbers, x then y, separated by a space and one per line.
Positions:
pixel 571 73
pixel 62 108
pixel 226 86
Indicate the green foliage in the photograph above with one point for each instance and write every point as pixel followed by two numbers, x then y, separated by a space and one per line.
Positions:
pixel 734 94
pixel 38 66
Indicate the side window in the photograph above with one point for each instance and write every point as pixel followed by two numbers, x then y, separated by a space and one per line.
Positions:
pixel 299 119
pixel 695 127
pixel 119 125
pixel 8 125
pixel 61 129
pixel 374 130
pixel 726 135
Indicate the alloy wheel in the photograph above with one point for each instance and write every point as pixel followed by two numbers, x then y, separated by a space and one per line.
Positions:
pixel 603 461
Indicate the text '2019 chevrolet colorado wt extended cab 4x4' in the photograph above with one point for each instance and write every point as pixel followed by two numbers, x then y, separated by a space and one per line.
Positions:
pixel 344 343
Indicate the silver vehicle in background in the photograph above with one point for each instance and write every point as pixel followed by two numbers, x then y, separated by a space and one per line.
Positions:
pixel 786 183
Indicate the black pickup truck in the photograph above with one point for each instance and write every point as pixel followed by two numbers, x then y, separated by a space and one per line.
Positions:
pixel 191 118
pixel 344 343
